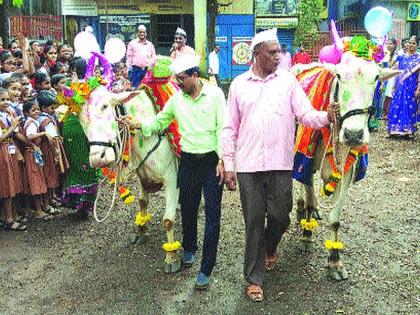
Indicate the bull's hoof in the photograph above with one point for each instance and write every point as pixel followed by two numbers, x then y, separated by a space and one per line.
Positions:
pixel 136 238
pixel 337 274
pixel 173 267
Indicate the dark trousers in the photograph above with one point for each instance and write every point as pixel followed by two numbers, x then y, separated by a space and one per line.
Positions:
pixel 135 75
pixel 264 195
pixel 197 173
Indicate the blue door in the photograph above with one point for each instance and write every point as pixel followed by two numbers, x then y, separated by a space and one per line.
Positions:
pixel 286 36
pixel 230 30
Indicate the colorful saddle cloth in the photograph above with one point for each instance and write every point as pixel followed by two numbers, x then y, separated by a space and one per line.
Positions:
pixel 160 90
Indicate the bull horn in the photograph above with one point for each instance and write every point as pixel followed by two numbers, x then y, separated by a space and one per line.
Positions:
pixel 338 42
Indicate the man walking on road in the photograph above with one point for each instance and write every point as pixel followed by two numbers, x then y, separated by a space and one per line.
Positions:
pixel 258 142
pixel 141 55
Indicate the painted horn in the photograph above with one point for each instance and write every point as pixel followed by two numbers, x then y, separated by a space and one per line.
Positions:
pixel 338 42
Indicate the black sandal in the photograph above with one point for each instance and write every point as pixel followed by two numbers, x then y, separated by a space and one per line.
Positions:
pixel 14 226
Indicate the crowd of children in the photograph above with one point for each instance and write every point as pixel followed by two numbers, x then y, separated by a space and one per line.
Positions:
pixel 34 161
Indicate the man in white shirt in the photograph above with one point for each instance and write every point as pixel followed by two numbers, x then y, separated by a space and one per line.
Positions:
pixel 214 63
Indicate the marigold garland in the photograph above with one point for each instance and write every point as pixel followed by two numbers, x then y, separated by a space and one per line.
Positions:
pixel 125 194
pixel 171 247
pixel 141 219
pixel 329 244
pixel 329 188
pixel 76 94
pixel 310 225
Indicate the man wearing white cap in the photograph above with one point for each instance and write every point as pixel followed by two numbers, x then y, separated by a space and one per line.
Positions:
pixel 199 109
pixel 258 144
pixel 180 46
pixel 141 55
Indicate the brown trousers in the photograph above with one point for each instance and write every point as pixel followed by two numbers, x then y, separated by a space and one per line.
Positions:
pixel 264 195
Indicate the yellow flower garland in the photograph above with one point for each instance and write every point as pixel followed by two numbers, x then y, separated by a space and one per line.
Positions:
pixel 141 219
pixel 171 247
pixel 329 244
pixel 311 225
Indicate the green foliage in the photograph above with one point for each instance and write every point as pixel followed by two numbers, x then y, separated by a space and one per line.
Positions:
pixel 309 19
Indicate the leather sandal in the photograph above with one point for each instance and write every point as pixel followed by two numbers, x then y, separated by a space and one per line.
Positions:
pixel 254 292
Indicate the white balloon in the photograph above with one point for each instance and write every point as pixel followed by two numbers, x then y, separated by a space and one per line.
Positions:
pixel 84 44
pixel 114 50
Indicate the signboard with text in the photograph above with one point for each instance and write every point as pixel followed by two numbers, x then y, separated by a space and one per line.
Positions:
pixel 79 7
pixel 275 7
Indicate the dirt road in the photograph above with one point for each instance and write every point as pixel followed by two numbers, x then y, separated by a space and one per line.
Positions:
pixel 72 267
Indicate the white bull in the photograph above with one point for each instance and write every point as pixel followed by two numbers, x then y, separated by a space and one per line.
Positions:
pixel 353 83
pixel 98 119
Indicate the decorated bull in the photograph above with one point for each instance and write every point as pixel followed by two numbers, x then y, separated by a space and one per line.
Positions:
pixel 339 153
pixel 152 159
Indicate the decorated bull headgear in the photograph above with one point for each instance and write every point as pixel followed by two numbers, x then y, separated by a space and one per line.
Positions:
pixel 359 46
pixel 76 94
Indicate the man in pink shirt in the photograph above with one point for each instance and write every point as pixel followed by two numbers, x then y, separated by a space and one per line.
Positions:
pixel 258 141
pixel 141 55
pixel 285 58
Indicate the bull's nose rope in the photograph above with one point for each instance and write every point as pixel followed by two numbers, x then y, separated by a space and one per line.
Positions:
pixel 117 167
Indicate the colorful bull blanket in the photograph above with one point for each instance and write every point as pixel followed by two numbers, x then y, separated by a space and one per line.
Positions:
pixel 317 84
pixel 160 90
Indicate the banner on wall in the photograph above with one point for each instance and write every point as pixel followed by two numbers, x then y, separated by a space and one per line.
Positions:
pixel 79 7
pixel 413 12
pixel 241 51
pixel 275 7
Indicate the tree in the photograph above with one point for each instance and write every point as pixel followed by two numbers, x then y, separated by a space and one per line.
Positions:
pixel 213 9
pixel 309 20
pixel 6 6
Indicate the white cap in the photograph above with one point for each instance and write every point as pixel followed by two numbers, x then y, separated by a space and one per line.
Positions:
pixel 264 36
pixel 141 27
pixel 184 62
pixel 89 29
pixel 180 31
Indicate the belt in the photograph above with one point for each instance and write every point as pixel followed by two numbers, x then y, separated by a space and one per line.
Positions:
pixel 198 155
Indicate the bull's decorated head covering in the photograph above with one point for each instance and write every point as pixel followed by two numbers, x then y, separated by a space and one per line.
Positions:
pixel 264 36
pixel 184 62
pixel 180 31
pixel 162 67
pixel 360 46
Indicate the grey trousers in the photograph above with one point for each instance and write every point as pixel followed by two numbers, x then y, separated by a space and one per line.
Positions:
pixel 264 195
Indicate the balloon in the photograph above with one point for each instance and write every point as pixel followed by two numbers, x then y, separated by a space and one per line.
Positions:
pixel 114 50
pixel 84 44
pixel 378 21
pixel 330 54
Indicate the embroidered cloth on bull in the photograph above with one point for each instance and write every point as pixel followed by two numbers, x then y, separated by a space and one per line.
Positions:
pixel 317 83
pixel 160 90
